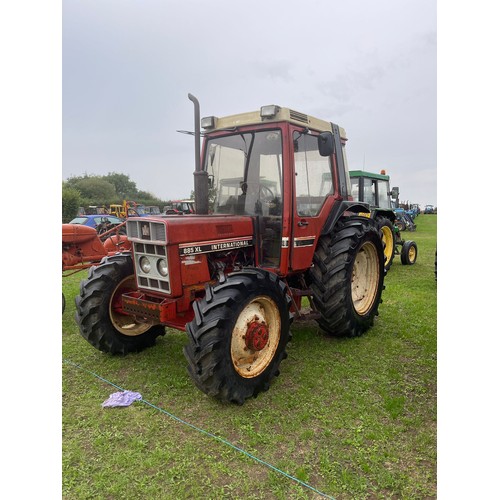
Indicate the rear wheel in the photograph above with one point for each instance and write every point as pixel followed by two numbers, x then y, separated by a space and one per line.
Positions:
pixel 409 253
pixel 99 316
pixel 239 335
pixel 347 277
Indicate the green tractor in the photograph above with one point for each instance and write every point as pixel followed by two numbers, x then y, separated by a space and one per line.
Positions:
pixel 375 190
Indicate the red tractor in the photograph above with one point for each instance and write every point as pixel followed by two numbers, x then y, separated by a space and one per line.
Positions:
pixel 266 235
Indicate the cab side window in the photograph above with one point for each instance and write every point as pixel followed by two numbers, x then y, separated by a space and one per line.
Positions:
pixel 369 192
pixel 313 175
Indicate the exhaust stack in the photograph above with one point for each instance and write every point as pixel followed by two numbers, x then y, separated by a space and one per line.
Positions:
pixel 200 176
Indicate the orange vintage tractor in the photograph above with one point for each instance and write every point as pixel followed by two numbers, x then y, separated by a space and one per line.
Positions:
pixel 266 234
pixel 83 247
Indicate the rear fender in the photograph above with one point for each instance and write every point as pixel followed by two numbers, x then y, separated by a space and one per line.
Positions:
pixel 339 209
pixel 380 212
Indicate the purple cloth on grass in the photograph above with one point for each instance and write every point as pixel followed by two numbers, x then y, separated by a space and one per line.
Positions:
pixel 125 398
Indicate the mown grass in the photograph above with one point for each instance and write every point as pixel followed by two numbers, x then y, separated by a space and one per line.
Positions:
pixel 351 418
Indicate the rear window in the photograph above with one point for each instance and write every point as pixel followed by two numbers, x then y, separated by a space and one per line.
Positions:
pixel 113 220
pixel 79 220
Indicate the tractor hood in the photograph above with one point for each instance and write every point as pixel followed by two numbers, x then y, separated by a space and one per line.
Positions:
pixel 76 233
pixel 190 229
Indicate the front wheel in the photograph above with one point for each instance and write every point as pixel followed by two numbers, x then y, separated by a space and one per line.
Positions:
pixel 409 253
pixel 239 335
pixel 347 277
pixel 99 315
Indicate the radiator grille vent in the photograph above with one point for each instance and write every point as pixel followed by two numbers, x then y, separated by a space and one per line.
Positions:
pixel 295 115
pixel 145 230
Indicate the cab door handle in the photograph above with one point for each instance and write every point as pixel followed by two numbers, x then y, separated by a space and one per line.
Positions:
pixel 303 223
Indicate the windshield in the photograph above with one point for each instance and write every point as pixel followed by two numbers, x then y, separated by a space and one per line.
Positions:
pixel 247 173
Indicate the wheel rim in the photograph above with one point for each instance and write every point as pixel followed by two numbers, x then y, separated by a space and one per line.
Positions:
pixel 365 278
pixel 412 254
pixel 255 337
pixel 124 323
pixel 388 241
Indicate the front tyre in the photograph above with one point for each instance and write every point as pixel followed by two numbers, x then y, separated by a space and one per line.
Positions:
pixel 409 253
pixel 239 335
pixel 347 277
pixel 99 316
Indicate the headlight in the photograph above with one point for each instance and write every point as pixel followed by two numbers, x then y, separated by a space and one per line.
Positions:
pixel 209 122
pixel 145 264
pixel 269 111
pixel 162 267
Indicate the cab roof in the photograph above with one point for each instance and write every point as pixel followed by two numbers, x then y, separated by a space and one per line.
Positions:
pixel 282 114
pixel 369 175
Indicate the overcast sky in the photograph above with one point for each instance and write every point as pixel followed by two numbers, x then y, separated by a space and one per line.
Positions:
pixel 128 66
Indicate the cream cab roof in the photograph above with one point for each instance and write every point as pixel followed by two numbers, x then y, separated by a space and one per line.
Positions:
pixel 283 114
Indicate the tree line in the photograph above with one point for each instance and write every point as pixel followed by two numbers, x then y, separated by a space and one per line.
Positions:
pixel 113 188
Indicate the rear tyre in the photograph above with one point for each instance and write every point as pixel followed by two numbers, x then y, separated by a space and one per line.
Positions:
pixel 388 240
pixel 409 253
pixel 239 335
pixel 347 277
pixel 99 315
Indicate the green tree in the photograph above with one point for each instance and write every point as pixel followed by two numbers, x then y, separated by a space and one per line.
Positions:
pixel 147 198
pixel 125 188
pixel 71 200
pixel 96 191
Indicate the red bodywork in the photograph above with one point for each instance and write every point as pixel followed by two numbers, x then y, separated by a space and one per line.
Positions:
pixel 189 240
pixel 192 241
pixel 202 249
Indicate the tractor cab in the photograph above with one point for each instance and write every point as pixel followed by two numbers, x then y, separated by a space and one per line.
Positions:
pixel 372 188
pixel 275 166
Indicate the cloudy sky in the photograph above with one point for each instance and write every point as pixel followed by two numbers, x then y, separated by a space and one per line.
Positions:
pixel 128 65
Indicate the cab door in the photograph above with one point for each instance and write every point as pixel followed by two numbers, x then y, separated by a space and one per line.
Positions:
pixel 314 190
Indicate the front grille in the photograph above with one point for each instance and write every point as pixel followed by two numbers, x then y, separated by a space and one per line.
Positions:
pixel 150 241
pixel 152 280
pixel 145 230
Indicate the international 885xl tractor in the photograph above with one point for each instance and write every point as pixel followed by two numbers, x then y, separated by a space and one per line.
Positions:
pixel 267 234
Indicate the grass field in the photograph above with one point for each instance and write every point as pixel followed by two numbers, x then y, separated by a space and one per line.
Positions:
pixel 345 419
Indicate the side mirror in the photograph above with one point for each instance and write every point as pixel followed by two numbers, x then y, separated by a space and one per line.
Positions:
pixel 394 192
pixel 325 143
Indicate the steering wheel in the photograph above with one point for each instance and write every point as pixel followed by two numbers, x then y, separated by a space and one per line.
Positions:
pixel 265 194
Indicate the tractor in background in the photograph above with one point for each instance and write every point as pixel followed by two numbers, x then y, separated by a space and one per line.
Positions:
pixel 374 189
pixel 84 247
pixel 180 207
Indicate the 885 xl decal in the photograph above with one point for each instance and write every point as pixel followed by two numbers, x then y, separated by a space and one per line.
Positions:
pixel 214 246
